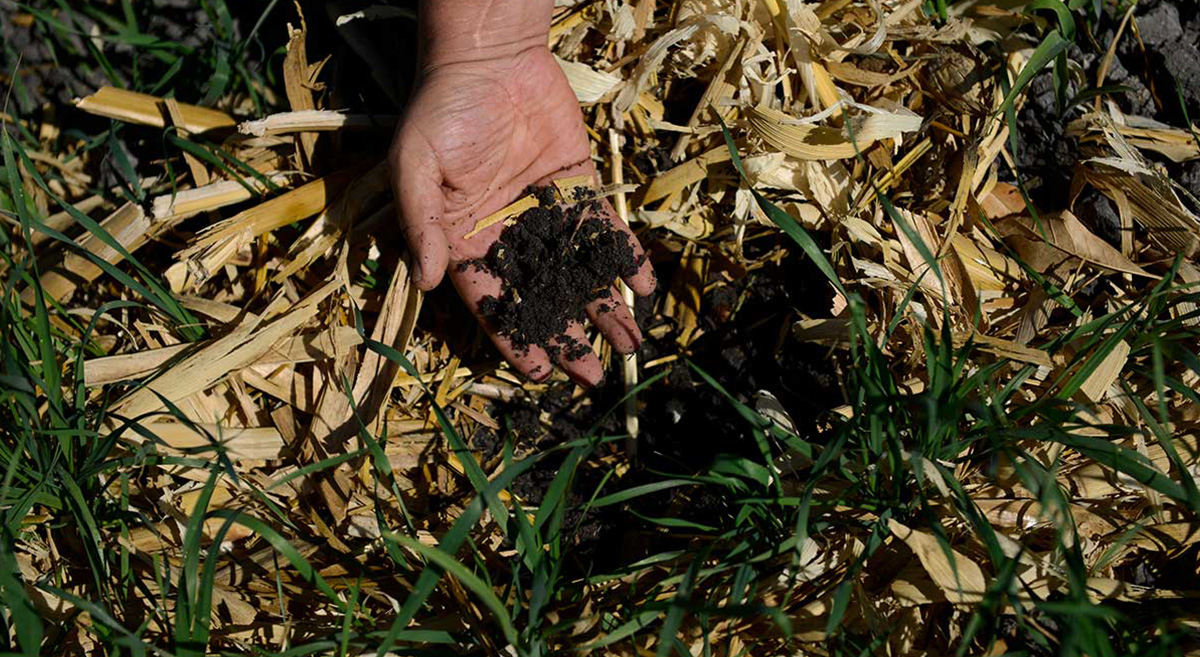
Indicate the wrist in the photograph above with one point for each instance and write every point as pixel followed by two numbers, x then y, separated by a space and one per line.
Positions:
pixel 457 31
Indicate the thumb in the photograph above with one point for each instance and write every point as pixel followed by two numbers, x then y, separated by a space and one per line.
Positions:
pixel 417 182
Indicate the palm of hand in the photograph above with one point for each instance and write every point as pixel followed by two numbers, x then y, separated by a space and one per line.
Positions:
pixel 475 137
pixel 495 132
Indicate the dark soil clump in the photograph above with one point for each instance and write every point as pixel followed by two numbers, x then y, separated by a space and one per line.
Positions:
pixel 553 262
pixel 1148 67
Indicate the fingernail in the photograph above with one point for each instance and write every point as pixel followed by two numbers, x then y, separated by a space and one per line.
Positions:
pixel 418 273
pixel 581 381
pixel 632 341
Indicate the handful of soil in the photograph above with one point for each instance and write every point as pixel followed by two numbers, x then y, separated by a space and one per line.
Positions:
pixel 552 262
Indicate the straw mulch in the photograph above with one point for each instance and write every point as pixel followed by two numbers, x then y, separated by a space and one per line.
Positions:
pixel 827 103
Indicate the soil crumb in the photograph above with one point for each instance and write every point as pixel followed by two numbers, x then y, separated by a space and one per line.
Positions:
pixel 553 261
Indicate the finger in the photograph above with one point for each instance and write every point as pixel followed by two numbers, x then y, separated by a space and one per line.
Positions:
pixel 532 361
pixel 582 366
pixel 417 183
pixel 612 317
pixel 473 286
pixel 644 280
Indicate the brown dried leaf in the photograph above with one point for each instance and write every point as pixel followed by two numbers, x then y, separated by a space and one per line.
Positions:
pixel 960 579
pixel 809 141
pixel 1066 233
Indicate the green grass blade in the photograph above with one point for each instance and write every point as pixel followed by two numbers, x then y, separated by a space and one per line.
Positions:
pixel 1053 44
pixel 468 580
pixel 23 616
pixel 639 491
pixel 790 226
pixel 303 568
pixel 187 594
pixel 154 291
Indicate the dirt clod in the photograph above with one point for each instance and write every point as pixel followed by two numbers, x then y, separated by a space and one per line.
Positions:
pixel 553 261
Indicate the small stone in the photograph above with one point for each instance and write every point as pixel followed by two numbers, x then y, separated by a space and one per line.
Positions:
pixel 1160 26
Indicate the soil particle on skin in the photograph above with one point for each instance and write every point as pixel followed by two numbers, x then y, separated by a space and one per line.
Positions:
pixel 552 262
pixel 545 196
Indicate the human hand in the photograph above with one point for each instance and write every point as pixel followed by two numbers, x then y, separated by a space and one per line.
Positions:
pixel 478 132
